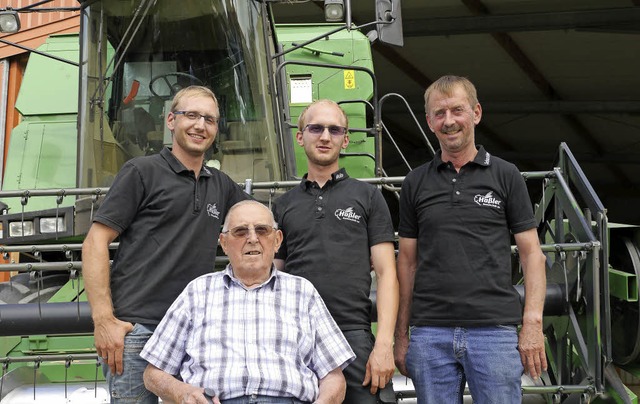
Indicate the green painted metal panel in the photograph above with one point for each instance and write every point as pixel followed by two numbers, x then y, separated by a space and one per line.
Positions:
pixel 343 48
pixel 49 86
pixel 57 345
pixel 69 292
pixel 42 154
pixel 623 285
pixel 42 148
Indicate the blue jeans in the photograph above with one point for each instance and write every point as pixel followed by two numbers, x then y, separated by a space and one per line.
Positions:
pixel 129 386
pixel 259 399
pixel 441 359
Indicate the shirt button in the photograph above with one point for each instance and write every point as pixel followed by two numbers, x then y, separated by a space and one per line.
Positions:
pixel 320 197
pixel 454 180
pixel 457 192
pixel 319 208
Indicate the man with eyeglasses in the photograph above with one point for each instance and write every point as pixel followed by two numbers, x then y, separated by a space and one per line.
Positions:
pixel 250 333
pixel 167 210
pixel 335 229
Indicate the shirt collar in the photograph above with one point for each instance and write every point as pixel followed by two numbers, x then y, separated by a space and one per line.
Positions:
pixel 229 279
pixel 177 166
pixel 338 176
pixel 482 158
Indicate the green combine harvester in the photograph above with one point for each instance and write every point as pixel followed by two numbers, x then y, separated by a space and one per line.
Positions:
pixel 92 101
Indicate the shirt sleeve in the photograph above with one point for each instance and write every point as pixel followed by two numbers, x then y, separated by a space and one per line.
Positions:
pixel 408 224
pixel 121 204
pixel 282 251
pixel 166 347
pixel 236 193
pixel 379 224
pixel 331 349
pixel 519 209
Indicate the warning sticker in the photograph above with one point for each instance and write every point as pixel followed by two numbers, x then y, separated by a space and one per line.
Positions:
pixel 349 79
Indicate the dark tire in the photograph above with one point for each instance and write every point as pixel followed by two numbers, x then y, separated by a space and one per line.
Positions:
pixel 21 289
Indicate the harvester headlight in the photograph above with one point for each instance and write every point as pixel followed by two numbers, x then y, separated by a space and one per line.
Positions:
pixel 21 229
pixel 48 225
pixel 9 21
pixel 333 10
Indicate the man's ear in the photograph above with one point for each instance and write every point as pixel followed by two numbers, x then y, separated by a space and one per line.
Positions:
pixel 171 121
pixel 345 142
pixel 278 241
pixel 299 138
pixel 477 114
pixel 429 123
pixel 222 241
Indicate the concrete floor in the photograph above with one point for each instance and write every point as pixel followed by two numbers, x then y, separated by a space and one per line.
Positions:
pixel 404 384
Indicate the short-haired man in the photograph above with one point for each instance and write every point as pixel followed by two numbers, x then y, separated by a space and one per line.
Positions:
pixel 457 214
pixel 167 210
pixel 335 228
pixel 248 334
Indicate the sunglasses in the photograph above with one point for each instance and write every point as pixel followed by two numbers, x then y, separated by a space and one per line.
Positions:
pixel 317 129
pixel 261 230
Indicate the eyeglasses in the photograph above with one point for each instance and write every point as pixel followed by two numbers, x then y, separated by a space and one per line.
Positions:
pixel 194 116
pixel 317 129
pixel 261 230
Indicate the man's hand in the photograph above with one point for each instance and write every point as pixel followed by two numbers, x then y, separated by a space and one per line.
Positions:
pixel 172 390
pixel 196 395
pixel 109 340
pixel 400 353
pixel 380 368
pixel 531 347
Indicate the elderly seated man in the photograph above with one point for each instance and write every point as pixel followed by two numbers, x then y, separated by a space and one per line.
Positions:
pixel 250 333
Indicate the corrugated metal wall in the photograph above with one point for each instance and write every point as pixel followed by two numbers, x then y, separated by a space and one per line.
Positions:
pixel 36 26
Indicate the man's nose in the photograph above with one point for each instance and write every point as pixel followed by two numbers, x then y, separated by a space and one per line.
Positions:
pixel 252 236
pixel 325 135
pixel 448 118
pixel 199 122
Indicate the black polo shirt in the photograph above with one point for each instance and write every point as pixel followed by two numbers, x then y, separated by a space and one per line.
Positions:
pixel 169 224
pixel 328 233
pixel 463 223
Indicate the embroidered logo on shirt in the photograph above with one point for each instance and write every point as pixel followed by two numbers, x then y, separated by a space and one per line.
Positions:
pixel 487 200
pixel 348 214
pixel 212 211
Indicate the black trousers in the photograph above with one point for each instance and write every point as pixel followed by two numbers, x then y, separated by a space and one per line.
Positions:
pixel 362 341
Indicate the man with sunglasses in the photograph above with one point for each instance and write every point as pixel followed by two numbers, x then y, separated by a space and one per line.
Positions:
pixel 250 333
pixel 335 229
pixel 167 210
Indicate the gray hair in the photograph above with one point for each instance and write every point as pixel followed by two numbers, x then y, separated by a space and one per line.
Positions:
pixel 243 203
